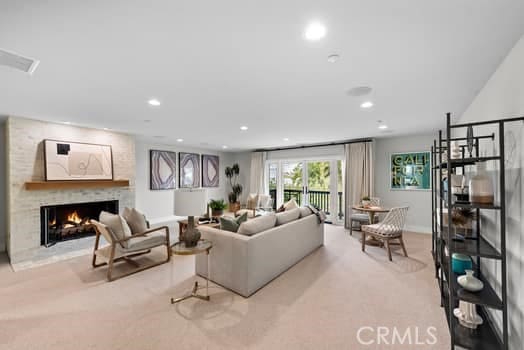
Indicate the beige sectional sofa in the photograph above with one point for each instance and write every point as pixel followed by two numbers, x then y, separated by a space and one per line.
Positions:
pixel 262 249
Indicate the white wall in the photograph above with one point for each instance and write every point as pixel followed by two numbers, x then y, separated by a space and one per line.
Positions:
pixel 419 202
pixel 503 96
pixel 3 181
pixel 158 204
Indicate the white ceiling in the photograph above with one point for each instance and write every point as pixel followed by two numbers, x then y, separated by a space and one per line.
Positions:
pixel 216 65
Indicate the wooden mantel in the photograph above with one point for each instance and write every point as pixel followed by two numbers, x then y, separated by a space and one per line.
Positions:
pixel 74 184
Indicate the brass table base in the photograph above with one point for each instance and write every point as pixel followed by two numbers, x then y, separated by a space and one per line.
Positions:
pixel 193 294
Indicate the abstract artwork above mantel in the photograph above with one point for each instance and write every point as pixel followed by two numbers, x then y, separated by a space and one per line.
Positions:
pixel 77 161
pixel 189 170
pixel 162 170
pixel 210 170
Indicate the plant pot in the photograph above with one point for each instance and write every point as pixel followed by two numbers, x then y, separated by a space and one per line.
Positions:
pixel 234 207
pixel 217 212
pixel 366 203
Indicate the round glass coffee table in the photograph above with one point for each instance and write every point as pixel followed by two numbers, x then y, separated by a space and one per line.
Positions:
pixel 203 246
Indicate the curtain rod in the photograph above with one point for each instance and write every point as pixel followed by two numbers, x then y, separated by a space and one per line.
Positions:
pixel 337 143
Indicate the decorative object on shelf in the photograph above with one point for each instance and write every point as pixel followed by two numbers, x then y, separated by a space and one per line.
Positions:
pixel 462 216
pixel 366 201
pixel 480 186
pixel 410 171
pixel 470 140
pixel 232 173
pixel 469 282
pixel 162 167
pixel 455 150
pixel 190 203
pixel 467 315
pixel 77 161
pixel 460 263
pixel 210 170
pixel 189 170
pixel 217 207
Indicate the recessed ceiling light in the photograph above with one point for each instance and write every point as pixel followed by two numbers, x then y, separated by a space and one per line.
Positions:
pixel 358 91
pixel 154 102
pixel 333 58
pixel 224 147
pixel 179 140
pixel 243 128
pixel 367 104
pixel 315 31
pixel 382 126
pixel 285 139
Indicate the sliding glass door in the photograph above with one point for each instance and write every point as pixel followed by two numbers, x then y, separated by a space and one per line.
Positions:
pixel 315 182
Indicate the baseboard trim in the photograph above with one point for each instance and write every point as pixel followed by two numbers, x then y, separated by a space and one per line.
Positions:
pixel 419 229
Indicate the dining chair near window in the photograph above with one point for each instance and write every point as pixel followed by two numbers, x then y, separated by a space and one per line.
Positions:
pixel 363 218
pixel 388 229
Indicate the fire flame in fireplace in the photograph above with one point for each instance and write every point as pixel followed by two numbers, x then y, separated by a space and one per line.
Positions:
pixel 73 217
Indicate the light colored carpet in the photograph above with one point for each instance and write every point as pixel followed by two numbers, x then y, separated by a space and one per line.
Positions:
pixel 320 303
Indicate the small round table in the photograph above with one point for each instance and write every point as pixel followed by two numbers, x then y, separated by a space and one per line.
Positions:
pixel 371 211
pixel 203 246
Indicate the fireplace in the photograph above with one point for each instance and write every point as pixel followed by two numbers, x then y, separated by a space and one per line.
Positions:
pixel 71 221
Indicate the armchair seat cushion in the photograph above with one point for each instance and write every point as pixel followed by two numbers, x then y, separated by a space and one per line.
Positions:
pixel 384 230
pixel 152 240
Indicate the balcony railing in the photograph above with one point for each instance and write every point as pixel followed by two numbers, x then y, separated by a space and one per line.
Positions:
pixel 319 199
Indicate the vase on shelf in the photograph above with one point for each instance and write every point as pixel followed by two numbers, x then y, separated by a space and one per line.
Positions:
pixel 467 315
pixel 455 150
pixel 469 282
pixel 481 186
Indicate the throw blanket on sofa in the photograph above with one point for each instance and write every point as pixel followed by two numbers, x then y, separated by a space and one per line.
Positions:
pixel 319 213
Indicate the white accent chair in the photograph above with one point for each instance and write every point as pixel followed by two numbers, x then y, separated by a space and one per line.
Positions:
pixel 363 218
pixel 390 228
pixel 256 201
pixel 128 247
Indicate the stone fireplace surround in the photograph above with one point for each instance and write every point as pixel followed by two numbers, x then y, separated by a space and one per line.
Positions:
pixel 25 162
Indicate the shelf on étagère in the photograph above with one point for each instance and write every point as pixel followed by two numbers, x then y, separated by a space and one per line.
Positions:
pixel 486 297
pixel 454 163
pixel 473 247
pixel 468 205
pixel 75 184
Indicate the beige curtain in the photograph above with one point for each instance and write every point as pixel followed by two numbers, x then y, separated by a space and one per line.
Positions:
pixel 257 179
pixel 359 175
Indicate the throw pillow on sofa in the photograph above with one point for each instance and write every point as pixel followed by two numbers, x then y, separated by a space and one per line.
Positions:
pixel 305 211
pixel 287 216
pixel 291 204
pixel 232 224
pixel 258 224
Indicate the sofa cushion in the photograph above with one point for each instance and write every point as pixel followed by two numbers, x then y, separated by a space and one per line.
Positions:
pixel 305 211
pixel 291 204
pixel 287 216
pixel 117 224
pixel 135 220
pixel 232 224
pixel 258 224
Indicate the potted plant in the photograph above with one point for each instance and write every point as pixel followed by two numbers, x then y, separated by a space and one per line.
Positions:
pixel 217 207
pixel 232 173
pixel 366 201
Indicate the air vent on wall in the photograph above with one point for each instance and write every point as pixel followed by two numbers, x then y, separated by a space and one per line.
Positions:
pixel 16 61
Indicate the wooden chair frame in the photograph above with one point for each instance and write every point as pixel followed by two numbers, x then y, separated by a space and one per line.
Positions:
pixel 127 256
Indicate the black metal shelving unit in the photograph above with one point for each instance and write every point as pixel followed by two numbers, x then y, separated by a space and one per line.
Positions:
pixel 486 336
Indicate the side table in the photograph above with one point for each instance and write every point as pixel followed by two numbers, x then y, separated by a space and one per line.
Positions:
pixel 203 246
